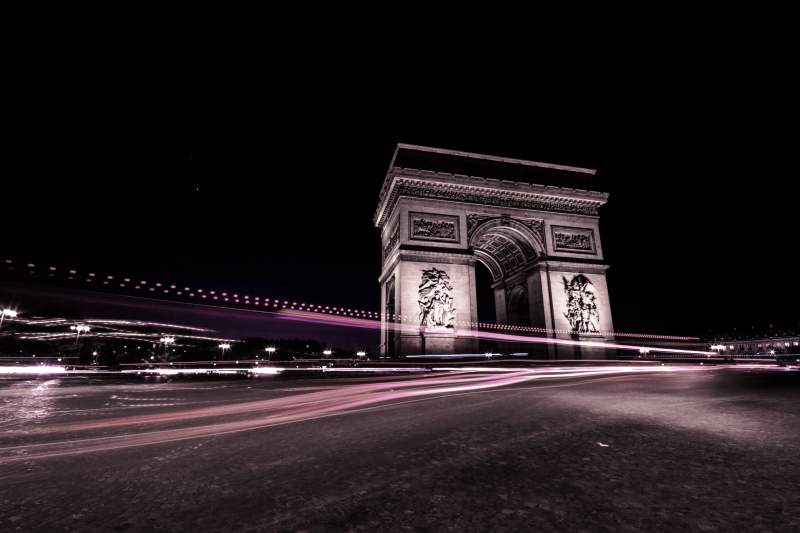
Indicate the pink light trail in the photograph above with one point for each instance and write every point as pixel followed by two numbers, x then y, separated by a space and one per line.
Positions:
pixel 305 406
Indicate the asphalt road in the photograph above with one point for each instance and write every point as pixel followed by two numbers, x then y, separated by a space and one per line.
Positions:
pixel 697 449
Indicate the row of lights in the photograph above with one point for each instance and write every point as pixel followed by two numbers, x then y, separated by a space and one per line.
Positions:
pixel 166 340
pixel 215 295
pixel 314 308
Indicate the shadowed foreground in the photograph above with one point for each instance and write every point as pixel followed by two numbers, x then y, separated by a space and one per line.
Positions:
pixel 692 450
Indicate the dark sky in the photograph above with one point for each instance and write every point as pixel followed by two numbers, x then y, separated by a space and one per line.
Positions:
pixel 268 183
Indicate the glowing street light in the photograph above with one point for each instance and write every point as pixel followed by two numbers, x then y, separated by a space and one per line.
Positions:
pixel 327 353
pixel 10 313
pixel 362 353
pixel 166 341
pixel 223 347
pixel 270 350
pixel 78 329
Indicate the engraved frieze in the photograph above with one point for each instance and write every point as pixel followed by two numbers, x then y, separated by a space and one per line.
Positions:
pixel 574 240
pixel 430 227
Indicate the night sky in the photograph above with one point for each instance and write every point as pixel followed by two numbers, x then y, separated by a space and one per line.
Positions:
pixel 269 184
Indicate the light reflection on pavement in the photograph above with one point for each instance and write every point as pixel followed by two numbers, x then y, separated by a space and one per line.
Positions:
pixel 28 442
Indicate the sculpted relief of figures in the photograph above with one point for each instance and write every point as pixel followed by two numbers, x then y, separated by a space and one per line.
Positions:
pixel 581 305
pixel 435 299
pixel 573 239
pixel 432 227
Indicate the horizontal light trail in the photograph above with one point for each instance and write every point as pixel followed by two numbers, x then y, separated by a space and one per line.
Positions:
pixel 191 295
pixel 303 316
pixel 33 369
pixel 303 406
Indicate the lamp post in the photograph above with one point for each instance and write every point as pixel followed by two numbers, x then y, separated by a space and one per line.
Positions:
pixel 362 353
pixel 223 347
pixel 10 313
pixel 270 350
pixel 78 329
pixel 327 353
pixel 167 340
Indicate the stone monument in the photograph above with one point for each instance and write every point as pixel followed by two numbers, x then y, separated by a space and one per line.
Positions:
pixel 533 225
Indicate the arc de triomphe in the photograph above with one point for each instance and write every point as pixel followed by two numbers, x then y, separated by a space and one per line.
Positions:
pixel 441 211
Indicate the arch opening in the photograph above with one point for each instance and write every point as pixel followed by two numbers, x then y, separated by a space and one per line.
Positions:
pixel 505 246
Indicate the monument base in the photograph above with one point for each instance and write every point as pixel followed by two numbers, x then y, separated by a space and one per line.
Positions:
pixel 437 341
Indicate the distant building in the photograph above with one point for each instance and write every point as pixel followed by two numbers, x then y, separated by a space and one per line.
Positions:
pixel 773 342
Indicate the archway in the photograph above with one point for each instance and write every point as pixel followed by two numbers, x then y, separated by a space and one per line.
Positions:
pixel 509 250
pixel 529 236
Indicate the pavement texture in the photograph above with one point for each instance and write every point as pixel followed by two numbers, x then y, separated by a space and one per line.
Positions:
pixel 698 450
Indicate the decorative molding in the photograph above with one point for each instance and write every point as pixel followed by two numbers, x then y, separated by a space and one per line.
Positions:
pixel 498 197
pixel 473 221
pixel 392 242
pixel 430 227
pixel 536 225
pixel 573 240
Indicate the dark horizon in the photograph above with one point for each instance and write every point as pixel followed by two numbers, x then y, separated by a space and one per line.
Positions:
pixel 278 199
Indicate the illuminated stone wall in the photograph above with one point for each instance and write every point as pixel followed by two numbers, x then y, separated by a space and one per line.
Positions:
pixel 530 237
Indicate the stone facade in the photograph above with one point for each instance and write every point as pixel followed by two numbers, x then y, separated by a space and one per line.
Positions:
pixel 540 243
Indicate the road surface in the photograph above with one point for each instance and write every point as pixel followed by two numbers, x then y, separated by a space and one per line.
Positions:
pixel 594 449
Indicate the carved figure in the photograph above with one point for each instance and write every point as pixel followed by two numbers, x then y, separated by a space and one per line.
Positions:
pixel 581 305
pixel 435 299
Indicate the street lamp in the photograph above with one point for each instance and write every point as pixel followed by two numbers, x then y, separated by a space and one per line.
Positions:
pixel 78 329
pixel 643 352
pixel 270 350
pixel 167 340
pixel 10 313
pixel 362 353
pixel 327 353
pixel 224 346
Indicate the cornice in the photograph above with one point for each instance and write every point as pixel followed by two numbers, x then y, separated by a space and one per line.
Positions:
pixel 482 191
